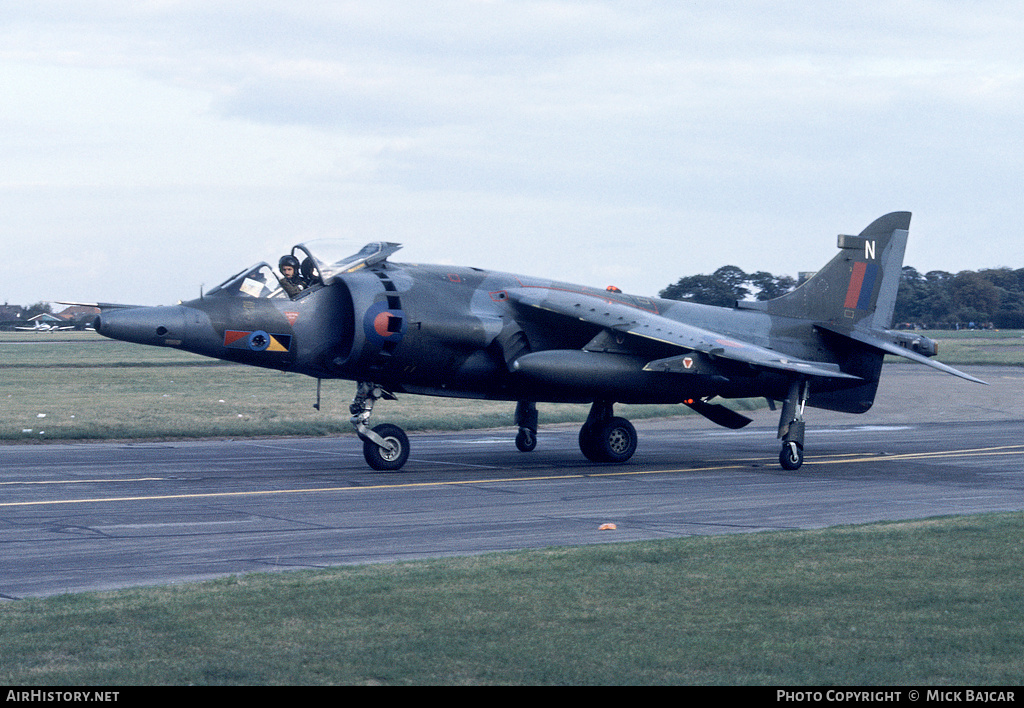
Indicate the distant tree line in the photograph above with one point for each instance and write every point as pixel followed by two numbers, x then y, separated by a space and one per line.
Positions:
pixel 11 315
pixel 14 316
pixel 940 300
pixel 727 285
pixel 38 308
pixel 935 300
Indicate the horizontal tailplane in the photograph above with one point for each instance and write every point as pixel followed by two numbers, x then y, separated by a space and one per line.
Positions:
pixel 877 340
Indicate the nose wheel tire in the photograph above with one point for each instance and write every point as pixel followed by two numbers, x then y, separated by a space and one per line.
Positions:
pixel 391 457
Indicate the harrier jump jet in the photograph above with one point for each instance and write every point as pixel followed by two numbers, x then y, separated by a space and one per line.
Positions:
pixel 464 332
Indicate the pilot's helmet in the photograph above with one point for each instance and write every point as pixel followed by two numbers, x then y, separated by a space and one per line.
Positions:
pixel 288 261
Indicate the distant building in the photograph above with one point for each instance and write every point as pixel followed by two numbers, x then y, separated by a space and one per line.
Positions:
pixel 11 315
pixel 76 313
pixel 10 312
pixel 80 316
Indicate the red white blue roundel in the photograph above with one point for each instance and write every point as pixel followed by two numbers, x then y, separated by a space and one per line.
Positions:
pixel 382 324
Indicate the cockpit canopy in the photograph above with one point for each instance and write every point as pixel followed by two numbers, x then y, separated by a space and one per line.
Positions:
pixel 262 281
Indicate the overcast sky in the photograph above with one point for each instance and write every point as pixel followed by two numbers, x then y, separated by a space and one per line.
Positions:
pixel 153 147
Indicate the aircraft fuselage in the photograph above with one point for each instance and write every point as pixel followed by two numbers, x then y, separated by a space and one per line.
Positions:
pixel 444 331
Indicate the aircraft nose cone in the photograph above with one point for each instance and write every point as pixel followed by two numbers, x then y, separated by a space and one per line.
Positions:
pixel 163 326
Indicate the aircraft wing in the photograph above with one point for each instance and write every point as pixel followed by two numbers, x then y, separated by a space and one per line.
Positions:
pixel 893 348
pixel 101 305
pixel 636 320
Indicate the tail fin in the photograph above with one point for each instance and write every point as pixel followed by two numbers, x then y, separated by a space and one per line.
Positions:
pixel 858 286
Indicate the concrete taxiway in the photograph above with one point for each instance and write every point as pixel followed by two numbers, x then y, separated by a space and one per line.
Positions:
pixel 102 516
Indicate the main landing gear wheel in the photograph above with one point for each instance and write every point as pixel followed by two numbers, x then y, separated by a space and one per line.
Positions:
pixel 393 455
pixel 609 440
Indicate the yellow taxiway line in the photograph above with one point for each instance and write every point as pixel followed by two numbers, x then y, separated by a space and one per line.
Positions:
pixel 733 465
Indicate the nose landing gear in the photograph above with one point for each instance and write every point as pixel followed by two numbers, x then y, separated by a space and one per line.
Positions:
pixel 386 446
pixel 392 454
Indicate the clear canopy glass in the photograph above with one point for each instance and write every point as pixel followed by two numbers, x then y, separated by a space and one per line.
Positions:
pixel 315 271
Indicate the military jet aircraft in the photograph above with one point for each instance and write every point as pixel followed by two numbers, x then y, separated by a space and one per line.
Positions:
pixel 464 332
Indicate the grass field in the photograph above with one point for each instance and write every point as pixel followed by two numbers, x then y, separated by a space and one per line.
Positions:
pixel 982 347
pixel 933 602
pixel 82 386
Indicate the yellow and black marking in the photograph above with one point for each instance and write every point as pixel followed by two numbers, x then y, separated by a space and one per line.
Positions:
pixel 257 341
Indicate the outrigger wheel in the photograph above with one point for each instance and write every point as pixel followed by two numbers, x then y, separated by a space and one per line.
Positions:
pixel 792 425
pixel 526 419
pixel 526 440
pixel 792 454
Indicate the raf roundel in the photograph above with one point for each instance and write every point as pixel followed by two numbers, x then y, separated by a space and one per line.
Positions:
pixel 384 325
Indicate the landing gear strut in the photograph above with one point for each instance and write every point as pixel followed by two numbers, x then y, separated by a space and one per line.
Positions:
pixel 386 446
pixel 606 438
pixel 791 426
pixel 526 419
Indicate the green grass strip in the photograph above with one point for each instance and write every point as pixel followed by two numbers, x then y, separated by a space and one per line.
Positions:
pixel 928 602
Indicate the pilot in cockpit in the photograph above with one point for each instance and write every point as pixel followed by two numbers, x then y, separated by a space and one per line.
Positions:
pixel 291 280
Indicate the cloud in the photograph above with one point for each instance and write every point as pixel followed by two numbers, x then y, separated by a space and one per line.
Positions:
pixel 570 139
